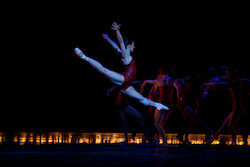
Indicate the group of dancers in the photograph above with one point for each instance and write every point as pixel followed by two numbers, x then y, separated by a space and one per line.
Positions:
pixel 167 94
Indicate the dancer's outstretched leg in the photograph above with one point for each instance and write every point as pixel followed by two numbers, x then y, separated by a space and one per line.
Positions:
pixel 130 91
pixel 118 79
pixel 114 77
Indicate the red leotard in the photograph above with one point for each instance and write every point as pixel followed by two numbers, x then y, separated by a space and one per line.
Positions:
pixel 166 93
pixel 129 74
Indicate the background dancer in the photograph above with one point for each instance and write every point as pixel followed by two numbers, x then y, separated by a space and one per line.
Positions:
pixel 189 86
pixel 188 113
pixel 238 109
pixel 154 91
pixel 153 95
pixel 127 77
pixel 167 86
pixel 213 100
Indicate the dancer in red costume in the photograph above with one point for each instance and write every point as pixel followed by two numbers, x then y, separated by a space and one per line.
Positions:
pixel 153 95
pixel 188 113
pixel 154 91
pixel 167 86
pixel 126 78
pixel 122 104
pixel 238 110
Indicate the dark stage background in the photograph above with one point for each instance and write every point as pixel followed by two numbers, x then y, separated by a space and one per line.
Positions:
pixel 45 87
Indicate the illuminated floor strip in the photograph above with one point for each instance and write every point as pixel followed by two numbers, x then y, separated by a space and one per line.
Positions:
pixel 22 138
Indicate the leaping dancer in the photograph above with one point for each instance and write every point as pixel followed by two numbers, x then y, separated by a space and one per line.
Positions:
pixel 125 78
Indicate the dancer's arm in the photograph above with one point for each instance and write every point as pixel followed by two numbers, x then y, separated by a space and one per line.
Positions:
pixel 116 27
pixel 207 88
pixel 215 83
pixel 111 90
pixel 136 82
pixel 178 90
pixel 145 82
pixel 113 44
pixel 210 85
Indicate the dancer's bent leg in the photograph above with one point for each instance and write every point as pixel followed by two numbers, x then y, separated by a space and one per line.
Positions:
pixel 114 77
pixel 130 91
pixel 158 119
pixel 134 113
pixel 124 124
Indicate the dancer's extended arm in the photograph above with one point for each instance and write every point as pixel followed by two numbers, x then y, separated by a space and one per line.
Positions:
pixel 145 82
pixel 112 43
pixel 116 27
pixel 209 84
pixel 111 90
pixel 215 83
pixel 178 90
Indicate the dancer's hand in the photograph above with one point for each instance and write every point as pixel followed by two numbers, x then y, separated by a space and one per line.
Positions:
pixel 115 26
pixel 108 93
pixel 105 36
pixel 80 54
pixel 160 106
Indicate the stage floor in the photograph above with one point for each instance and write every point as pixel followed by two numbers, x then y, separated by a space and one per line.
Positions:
pixel 104 149
pixel 120 155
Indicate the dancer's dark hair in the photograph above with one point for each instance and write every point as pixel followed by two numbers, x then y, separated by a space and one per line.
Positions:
pixel 127 41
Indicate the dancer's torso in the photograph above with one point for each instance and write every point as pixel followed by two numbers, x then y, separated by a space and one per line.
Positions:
pixel 129 74
pixel 166 90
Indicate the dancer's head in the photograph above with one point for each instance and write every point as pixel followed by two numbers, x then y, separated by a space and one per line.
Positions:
pixel 222 70
pixel 233 73
pixel 129 44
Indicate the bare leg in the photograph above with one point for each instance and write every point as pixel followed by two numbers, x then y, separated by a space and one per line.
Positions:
pixel 158 119
pixel 124 124
pixel 134 113
pixel 114 77
pixel 166 115
pixel 189 121
pixel 233 126
pixel 130 91
pixel 197 119
pixel 219 130
pixel 118 79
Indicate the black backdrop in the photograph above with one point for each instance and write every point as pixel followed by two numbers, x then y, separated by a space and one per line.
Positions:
pixel 46 87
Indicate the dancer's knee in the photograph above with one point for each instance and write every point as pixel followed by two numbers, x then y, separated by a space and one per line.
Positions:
pixel 103 70
pixel 145 101
pixel 140 118
pixel 157 125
